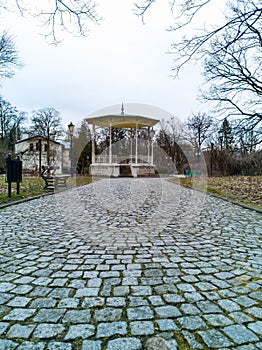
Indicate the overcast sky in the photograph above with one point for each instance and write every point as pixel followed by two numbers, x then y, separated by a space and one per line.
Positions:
pixel 122 60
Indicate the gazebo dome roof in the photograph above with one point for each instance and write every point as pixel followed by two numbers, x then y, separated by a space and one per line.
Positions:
pixel 122 120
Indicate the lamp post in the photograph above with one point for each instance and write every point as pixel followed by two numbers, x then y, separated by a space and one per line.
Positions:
pixel 211 159
pixel 71 128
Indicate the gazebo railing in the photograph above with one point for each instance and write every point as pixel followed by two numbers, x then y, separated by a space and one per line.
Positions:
pixel 117 159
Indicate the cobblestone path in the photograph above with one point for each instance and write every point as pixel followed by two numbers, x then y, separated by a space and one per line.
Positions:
pixel 116 263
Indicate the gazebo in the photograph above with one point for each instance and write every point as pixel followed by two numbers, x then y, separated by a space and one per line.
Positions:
pixel 131 162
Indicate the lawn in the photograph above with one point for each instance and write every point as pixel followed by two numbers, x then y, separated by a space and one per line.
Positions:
pixel 246 190
pixel 33 186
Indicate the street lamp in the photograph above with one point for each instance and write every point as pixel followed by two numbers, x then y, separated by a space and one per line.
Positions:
pixel 71 128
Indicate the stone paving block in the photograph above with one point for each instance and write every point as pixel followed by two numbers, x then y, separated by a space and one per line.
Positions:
pixel 256 295
pixel 87 292
pixel 167 311
pixel 191 322
pixel 94 282
pixel 156 342
pixel 204 286
pixel 93 302
pixel 19 314
pixel 166 325
pixel 228 305
pixel 27 345
pixel 43 303
pixel 186 287
pixel 156 300
pixel 193 297
pixel 92 345
pixel 124 343
pixel 240 317
pixel 173 298
pixel 137 301
pixel 129 281
pixel 6 287
pixel 42 281
pixel 48 330
pixel 39 291
pixel 141 290
pixel 116 301
pixel 19 302
pixel 49 315
pixel 245 301
pixel 19 331
pixel 121 290
pixel 80 331
pixel 256 327
pixel 24 280
pixel 4 297
pixel 58 282
pixel 108 314
pixel 217 320
pixel 215 339
pixel 68 303
pixel 255 311
pixel 142 328
pixel 240 334
pixel 140 313
pixel 248 347
pixel 112 328
pixel 8 344
pixel 189 309
pixel 60 293
pixel 208 307
pixel 77 316
pixel 22 289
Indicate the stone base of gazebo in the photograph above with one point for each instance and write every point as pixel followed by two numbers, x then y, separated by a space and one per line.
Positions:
pixel 116 170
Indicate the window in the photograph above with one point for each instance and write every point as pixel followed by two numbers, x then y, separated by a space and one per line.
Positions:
pixel 31 147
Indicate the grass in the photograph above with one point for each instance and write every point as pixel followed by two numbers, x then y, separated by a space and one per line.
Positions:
pixel 245 190
pixel 33 186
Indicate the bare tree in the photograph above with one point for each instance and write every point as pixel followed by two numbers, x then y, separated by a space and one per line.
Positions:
pixel 47 122
pixel 238 16
pixel 200 125
pixel 59 15
pixel 9 58
pixel 11 123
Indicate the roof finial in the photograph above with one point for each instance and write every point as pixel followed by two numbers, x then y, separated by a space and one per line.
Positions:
pixel 122 109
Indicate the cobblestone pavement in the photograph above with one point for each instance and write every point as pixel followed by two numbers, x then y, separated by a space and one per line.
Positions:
pixel 130 264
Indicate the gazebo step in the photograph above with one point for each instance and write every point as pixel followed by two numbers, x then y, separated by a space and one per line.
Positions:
pixel 125 170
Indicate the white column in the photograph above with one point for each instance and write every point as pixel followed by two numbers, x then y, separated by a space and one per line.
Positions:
pixel 110 143
pixel 131 145
pixel 93 145
pixel 152 152
pixel 148 145
pixel 136 143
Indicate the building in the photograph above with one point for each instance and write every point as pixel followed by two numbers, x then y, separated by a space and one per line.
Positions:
pixel 132 158
pixel 33 151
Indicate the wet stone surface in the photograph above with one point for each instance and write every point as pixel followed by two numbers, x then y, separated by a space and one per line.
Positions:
pixel 130 264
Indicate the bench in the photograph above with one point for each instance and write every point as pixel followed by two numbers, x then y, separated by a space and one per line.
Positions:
pixel 53 181
pixel 190 173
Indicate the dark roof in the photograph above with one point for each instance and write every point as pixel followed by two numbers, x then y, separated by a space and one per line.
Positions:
pixel 37 137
